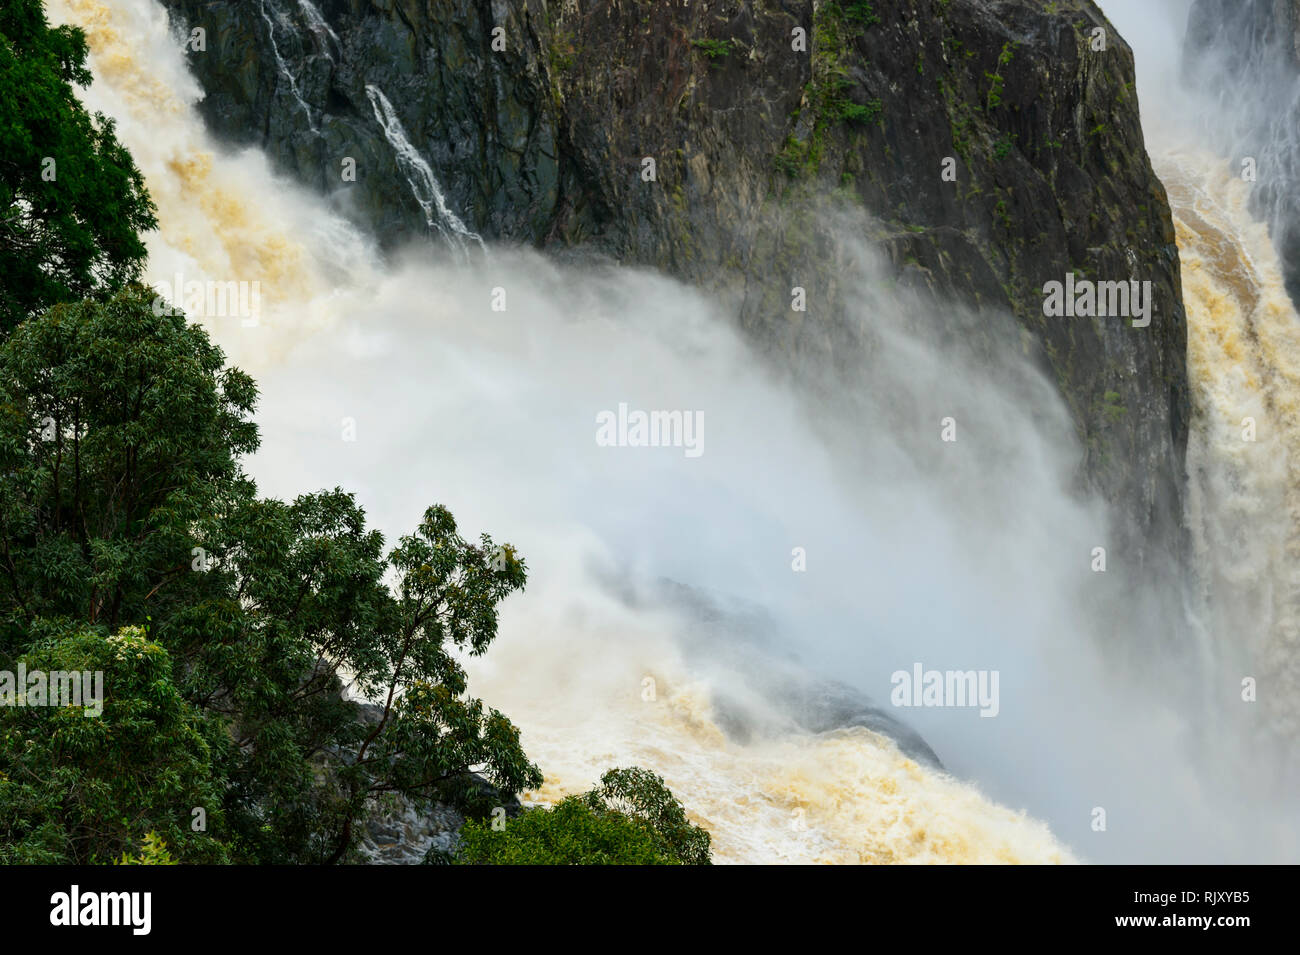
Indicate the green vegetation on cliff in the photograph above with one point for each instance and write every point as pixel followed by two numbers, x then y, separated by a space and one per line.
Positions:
pixel 126 516
pixel 825 98
pixel 630 819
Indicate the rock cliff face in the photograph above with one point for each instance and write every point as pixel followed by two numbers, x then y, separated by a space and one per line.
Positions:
pixel 1246 54
pixel 398 830
pixel 749 109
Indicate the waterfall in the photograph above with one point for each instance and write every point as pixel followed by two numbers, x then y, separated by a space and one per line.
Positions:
pixel 316 22
pixel 284 67
pixel 1244 449
pixel 969 555
pixel 419 177
pixel 1243 363
pixel 423 184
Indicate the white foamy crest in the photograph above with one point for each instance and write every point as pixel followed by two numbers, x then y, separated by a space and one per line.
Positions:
pixel 1243 359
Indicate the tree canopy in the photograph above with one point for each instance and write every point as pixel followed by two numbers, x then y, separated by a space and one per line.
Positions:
pixel 631 818
pixel 72 203
pixel 84 789
pixel 123 504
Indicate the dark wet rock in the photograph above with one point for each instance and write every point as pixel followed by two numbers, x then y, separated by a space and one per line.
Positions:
pixel 762 689
pixel 398 832
pixel 543 143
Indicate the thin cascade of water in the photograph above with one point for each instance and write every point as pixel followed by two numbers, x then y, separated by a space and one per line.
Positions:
pixel 420 178
pixel 316 22
pixel 284 67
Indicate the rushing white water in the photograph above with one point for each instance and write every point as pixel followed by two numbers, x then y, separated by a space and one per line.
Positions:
pixel 1244 366
pixel 1243 363
pixel 962 555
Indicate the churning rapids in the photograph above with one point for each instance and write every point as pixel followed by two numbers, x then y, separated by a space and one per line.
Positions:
pixel 649 567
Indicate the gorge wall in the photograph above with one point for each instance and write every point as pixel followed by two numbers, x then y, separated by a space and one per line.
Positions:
pixel 542 141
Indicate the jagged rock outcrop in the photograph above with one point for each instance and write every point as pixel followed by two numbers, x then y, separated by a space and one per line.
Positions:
pixel 399 830
pixel 401 833
pixel 543 139
pixel 762 690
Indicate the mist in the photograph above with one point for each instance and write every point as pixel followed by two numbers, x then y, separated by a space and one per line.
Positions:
pixel 401 381
pixel 972 554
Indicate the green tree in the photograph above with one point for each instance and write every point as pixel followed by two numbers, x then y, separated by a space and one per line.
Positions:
pixel 571 833
pixel 152 852
pixel 72 203
pixel 120 433
pixel 643 796
pixel 123 502
pixel 630 819
pixel 82 787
